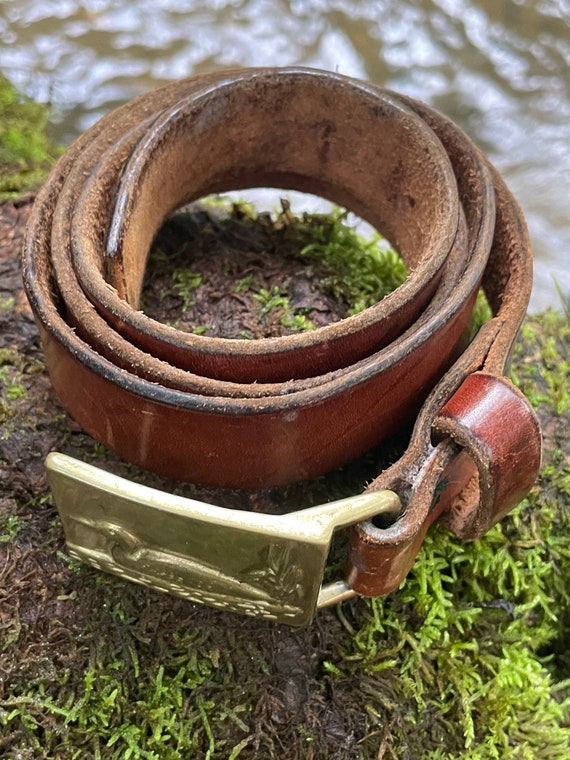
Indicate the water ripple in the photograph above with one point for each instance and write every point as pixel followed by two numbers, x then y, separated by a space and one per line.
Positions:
pixel 499 68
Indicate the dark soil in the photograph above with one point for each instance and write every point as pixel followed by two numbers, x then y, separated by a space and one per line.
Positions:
pixel 234 258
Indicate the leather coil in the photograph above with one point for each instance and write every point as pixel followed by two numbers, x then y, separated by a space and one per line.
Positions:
pixel 267 412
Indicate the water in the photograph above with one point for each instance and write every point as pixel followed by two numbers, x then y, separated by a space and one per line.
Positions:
pixel 500 68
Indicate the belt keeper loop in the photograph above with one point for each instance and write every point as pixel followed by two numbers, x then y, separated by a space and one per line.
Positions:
pixel 496 426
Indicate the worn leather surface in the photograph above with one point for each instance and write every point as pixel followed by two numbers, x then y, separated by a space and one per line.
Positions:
pixel 266 412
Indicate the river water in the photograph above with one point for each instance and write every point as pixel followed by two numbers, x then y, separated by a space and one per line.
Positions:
pixel 500 68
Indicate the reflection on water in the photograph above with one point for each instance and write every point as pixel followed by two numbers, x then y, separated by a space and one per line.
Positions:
pixel 500 68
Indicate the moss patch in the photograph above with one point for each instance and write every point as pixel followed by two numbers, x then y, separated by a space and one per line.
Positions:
pixel 214 265
pixel 26 153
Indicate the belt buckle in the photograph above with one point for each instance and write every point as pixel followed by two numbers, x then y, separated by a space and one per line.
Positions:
pixel 269 566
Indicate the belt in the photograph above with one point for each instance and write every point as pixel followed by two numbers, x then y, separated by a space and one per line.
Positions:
pixel 249 414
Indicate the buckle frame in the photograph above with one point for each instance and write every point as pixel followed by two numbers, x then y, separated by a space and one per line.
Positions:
pixel 269 566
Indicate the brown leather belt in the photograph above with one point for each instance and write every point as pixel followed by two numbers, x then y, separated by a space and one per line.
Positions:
pixel 268 412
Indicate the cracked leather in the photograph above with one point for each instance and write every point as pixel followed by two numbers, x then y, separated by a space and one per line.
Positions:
pixel 268 412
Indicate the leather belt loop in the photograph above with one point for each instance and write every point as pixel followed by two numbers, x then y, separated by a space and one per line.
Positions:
pixel 251 414
pixel 495 425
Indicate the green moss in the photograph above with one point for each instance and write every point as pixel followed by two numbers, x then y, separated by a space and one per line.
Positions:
pixel 357 271
pixel 332 259
pixel 15 370
pixel 478 633
pixel 11 386
pixel 294 319
pixel 543 374
pixel 26 153
pixel 471 633
pixel 9 527
pixel 360 271
pixel 184 283
pixel 352 269
pixel 481 312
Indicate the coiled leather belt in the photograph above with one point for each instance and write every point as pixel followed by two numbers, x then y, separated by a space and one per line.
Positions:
pixel 267 412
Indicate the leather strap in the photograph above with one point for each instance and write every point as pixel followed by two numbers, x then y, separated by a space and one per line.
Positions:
pixel 267 412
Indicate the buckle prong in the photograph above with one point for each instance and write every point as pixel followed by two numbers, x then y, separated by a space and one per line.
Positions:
pixel 334 593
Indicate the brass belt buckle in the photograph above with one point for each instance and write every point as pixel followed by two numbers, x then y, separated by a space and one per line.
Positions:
pixel 270 566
